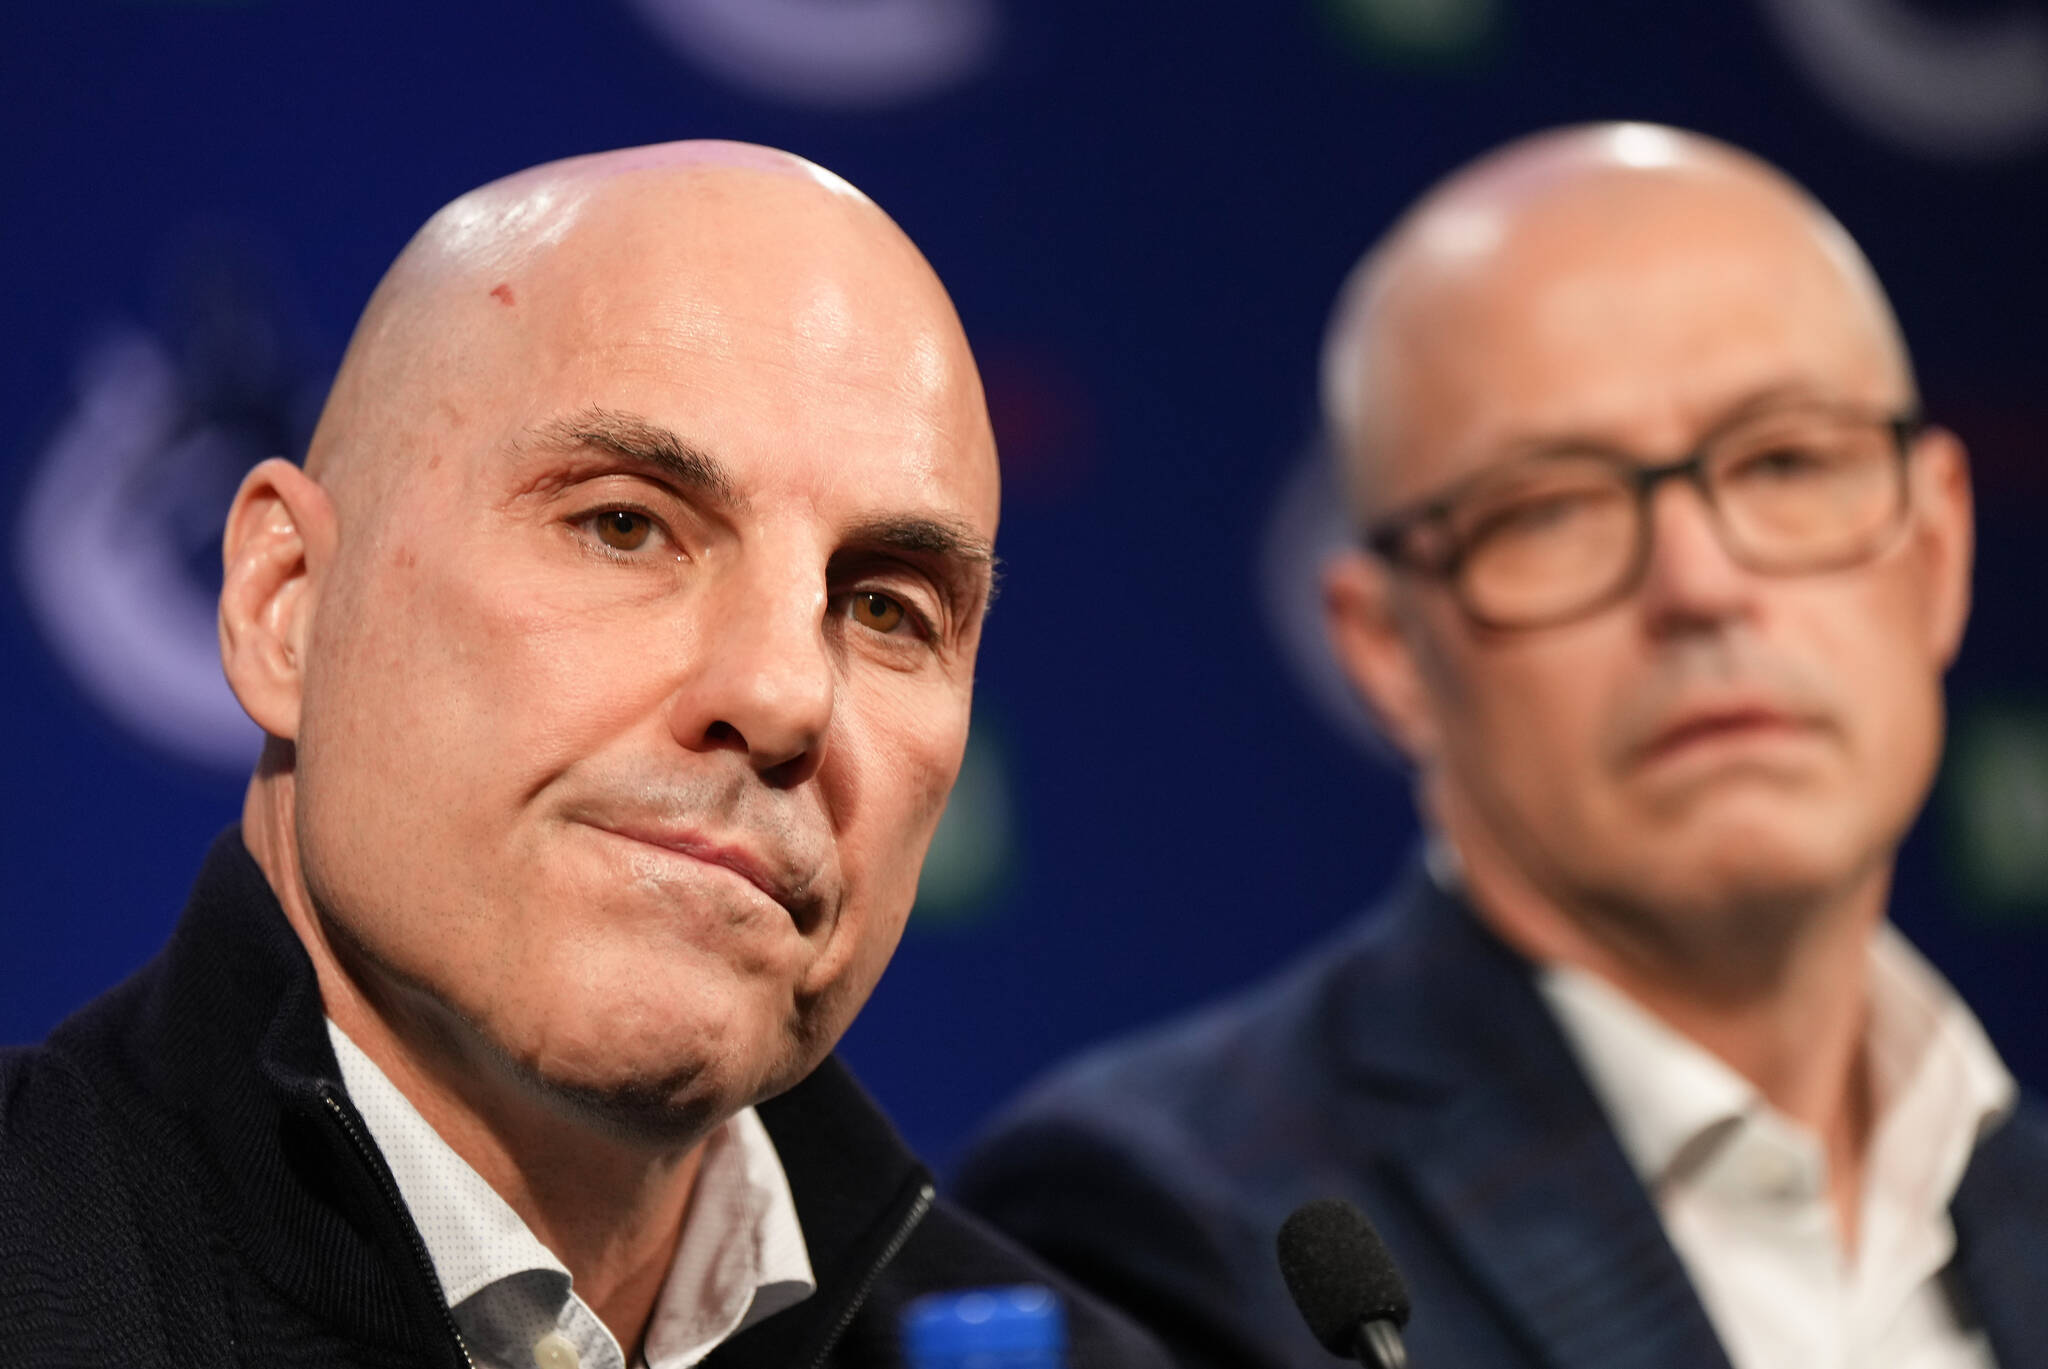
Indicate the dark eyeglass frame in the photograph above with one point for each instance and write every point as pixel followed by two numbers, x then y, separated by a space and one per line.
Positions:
pixel 1390 538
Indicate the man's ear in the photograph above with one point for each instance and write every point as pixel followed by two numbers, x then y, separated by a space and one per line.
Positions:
pixel 1947 533
pixel 1366 635
pixel 280 538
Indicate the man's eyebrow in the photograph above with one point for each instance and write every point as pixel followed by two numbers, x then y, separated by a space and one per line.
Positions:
pixel 958 552
pixel 638 439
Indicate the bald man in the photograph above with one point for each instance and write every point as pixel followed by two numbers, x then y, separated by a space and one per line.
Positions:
pixel 613 649
pixel 1659 570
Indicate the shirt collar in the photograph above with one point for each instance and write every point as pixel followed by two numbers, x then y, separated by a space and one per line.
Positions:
pixel 1938 1082
pixel 1934 1073
pixel 1661 1091
pixel 473 1235
pixel 742 1256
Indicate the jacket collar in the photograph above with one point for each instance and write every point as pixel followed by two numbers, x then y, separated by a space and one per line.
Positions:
pixel 2000 1211
pixel 859 1192
pixel 1518 1166
pixel 224 1037
pixel 225 1034
pixel 1510 1154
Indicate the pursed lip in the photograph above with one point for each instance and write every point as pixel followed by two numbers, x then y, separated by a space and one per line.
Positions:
pixel 792 894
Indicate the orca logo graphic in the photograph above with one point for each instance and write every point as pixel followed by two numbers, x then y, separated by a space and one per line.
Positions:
pixel 125 496
pixel 117 543
pixel 1954 88
pixel 832 53
pixel 1308 524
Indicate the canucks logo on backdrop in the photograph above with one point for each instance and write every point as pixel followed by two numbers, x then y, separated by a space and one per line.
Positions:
pixel 117 540
pixel 839 54
pixel 1960 87
pixel 1956 83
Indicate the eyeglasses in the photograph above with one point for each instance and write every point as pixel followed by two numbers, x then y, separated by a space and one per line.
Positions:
pixel 1549 538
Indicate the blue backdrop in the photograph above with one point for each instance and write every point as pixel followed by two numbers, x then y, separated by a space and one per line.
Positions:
pixel 1142 208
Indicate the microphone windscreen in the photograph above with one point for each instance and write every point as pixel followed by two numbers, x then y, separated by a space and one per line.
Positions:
pixel 1339 1272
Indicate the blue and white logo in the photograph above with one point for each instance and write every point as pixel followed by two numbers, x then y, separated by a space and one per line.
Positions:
pixel 1955 88
pixel 836 54
pixel 105 551
pixel 117 541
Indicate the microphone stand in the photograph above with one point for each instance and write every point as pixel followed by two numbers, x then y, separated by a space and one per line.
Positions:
pixel 1379 1345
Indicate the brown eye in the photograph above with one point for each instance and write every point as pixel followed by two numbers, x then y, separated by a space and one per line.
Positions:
pixel 876 611
pixel 623 529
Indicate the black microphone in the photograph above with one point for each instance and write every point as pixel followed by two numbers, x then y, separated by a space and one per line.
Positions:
pixel 1345 1283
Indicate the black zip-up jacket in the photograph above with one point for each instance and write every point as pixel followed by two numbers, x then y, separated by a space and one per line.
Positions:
pixel 183 1182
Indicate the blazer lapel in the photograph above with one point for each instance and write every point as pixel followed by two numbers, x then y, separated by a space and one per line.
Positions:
pixel 1556 1227
pixel 1523 1173
pixel 2001 1215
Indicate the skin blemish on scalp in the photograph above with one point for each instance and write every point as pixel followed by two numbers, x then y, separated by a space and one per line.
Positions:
pixel 502 293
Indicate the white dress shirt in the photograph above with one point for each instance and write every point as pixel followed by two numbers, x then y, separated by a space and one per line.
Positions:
pixel 741 1258
pixel 1743 1190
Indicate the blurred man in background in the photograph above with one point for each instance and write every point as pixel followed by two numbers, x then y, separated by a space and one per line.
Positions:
pixel 614 650
pixel 1660 572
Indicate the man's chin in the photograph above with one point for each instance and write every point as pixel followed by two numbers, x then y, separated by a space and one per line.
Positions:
pixel 661 1110
pixel 1737 888
pixel 665 1100
pixel 1782 864
pixel 1759 792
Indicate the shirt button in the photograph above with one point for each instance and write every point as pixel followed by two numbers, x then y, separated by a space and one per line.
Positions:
pixel 554 1351
pixel 1777 1176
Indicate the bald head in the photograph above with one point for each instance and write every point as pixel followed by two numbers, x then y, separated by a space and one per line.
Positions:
pixel 618 638
pixel 524 272
pixel 1581 269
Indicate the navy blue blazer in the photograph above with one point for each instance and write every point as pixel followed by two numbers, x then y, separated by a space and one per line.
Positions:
pixel 1412 1068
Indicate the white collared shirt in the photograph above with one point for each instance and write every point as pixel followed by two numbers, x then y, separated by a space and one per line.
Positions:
pixel 741 1258
pixel 1743 1190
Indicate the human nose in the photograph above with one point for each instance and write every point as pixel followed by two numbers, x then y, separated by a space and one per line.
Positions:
pixel 764 680
pixel 1689 579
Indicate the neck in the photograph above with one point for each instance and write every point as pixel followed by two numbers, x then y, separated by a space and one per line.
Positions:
pixel 610 1208
pixel 1786 1011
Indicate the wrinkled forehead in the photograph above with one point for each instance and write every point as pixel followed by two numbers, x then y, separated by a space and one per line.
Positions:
pixel 1631 308
pixel 707 290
